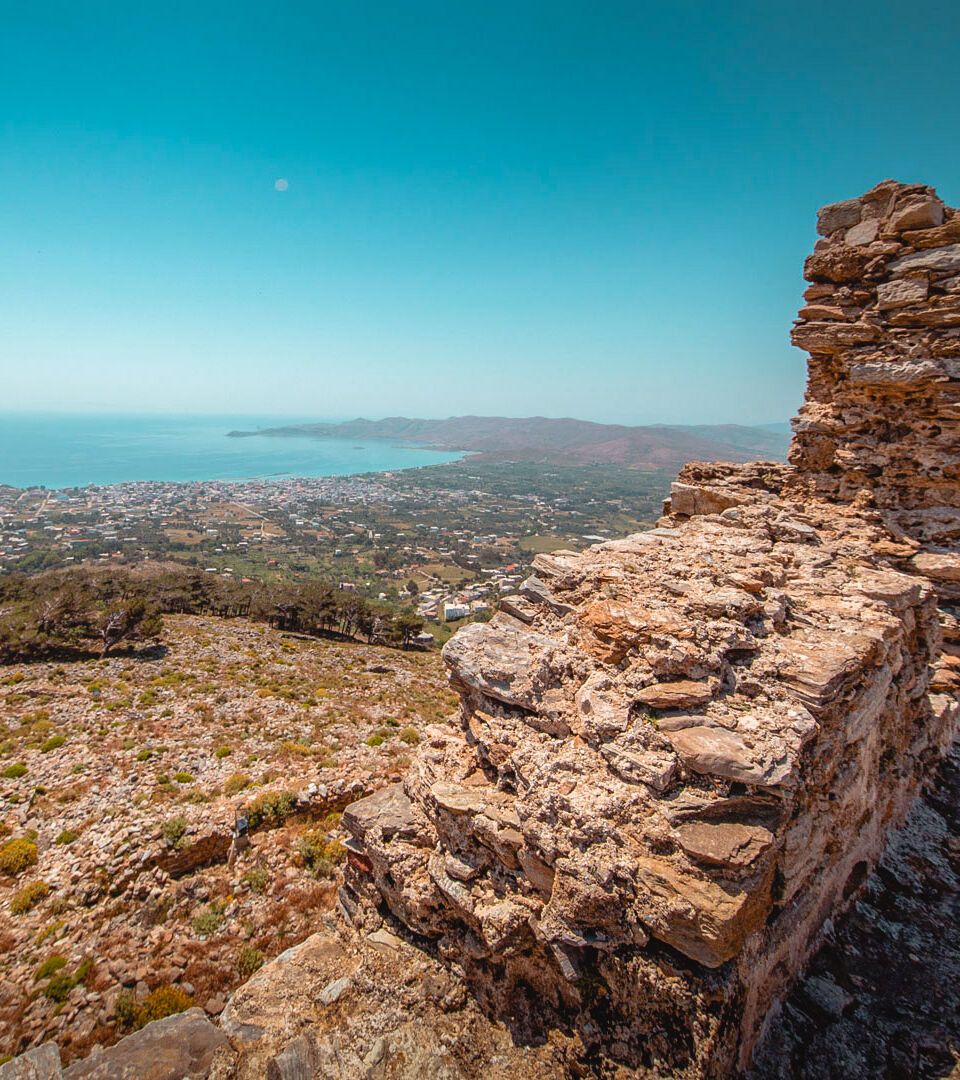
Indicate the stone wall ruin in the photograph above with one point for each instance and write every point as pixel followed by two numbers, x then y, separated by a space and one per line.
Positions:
pixel 679 754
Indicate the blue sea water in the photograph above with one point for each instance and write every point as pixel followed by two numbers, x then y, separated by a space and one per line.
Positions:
pixel 58 450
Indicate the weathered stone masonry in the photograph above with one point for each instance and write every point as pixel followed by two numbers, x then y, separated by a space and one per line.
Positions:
pixel 680 753
pixel 881 419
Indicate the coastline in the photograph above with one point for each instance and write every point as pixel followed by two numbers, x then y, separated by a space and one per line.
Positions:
pixel 66 453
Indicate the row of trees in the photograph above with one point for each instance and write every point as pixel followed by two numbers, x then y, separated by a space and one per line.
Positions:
pixel 98 609
pixel 51 613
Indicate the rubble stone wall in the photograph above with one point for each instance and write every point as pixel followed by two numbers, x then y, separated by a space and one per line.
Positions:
pixel 679 754
pixel 881 418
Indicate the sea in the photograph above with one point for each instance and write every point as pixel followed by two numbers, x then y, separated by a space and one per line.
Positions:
pixel 56 450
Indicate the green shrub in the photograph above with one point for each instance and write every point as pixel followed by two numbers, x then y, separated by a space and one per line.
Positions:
pixel 183 777
pixel 126 1010
pixel 222 752
pixel 375 740
pixel 50 966
pixel 16 856
pixel 320 854
pixel 28 897
pixel 257 878
pixel 299 749
pixel 410 736
pixel 174 830
pixel 53 743
pixel 207 922
pixel 164 1001
pixel 234 784
pixel 48 931
pixel 144 755
pixel 66 837
pixel 270 808
pixel 249 960
pixel 14 772
pixel 59 987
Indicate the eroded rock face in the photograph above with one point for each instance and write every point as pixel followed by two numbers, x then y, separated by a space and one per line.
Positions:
pixel 679 754
pixel 689 766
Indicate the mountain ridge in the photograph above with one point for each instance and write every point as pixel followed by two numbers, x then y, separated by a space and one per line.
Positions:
pixel 558 441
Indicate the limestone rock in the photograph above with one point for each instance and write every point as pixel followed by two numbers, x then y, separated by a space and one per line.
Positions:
pixel 389 809
pixel 715 751
pixel 917 212
pixel 722 843
pixel 40 1063
pixel 681 694
pixel 940 566
pixel 897 293
pixel 507 665
pixel 179 1046
pixel 297 1061
pixel 841 215
pixel 941 258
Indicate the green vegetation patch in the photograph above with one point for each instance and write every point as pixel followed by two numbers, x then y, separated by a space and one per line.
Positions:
pixel 270 808
pixel 236 783
pixel 49 967
pixel 256 878
pixel 27 898
pixel 17 855
pixel 164 1001
pixel 320 853
pixel 208 921
pixel 174 830
pixel 249 960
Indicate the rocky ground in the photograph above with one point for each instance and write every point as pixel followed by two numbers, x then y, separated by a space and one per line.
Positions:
pixel 120 780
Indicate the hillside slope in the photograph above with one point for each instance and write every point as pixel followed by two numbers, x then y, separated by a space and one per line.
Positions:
pixel 124 775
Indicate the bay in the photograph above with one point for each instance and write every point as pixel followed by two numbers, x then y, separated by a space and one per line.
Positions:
pixel 73 450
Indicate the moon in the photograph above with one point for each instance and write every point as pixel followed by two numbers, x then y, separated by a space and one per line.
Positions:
pixel 282 184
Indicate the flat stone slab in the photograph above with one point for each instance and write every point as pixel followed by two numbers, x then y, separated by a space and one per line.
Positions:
pixel 40 1063
pixel 389 809
pixel 170 1049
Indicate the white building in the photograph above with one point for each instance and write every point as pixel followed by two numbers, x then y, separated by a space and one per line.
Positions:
pixel 455 611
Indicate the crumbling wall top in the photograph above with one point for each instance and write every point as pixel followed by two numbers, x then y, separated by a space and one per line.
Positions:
pixel 881 417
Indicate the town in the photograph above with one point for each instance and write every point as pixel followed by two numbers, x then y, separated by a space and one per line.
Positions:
pixel 444 541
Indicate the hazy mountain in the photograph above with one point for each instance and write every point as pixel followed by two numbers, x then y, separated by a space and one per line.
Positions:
pixel 560 441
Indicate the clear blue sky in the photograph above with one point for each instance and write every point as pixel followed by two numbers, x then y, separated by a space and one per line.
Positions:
pixel 589 209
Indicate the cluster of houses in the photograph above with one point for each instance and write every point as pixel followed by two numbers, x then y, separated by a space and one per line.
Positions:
pixel 475 600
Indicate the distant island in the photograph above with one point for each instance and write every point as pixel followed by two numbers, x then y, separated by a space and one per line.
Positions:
pixel 559 441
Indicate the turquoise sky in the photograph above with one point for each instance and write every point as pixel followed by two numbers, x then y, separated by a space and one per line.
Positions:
pixel 594 209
